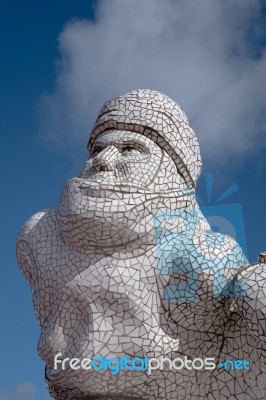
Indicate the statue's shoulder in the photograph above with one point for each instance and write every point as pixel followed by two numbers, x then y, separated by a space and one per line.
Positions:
pixel 39 229
pixel 42 223
pixel 206 245
pixel 220 245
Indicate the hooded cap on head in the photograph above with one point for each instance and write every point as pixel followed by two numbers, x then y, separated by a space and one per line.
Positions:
pixel 158 117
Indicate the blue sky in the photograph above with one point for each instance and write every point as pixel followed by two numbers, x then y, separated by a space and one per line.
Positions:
pixel 61 60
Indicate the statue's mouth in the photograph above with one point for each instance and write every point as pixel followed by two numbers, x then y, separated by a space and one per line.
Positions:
pixel 97 188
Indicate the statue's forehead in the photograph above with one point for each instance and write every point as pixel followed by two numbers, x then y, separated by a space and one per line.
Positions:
pixel 118 136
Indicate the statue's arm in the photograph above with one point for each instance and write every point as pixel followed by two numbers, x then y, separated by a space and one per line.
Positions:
pixel 250 295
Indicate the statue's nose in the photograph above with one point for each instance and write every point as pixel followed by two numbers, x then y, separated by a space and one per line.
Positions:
pixel 106 159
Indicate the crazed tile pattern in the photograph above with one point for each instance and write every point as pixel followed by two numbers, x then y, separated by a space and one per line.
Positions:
pixel 128 265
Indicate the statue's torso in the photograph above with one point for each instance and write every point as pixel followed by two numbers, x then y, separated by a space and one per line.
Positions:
pixel 112 305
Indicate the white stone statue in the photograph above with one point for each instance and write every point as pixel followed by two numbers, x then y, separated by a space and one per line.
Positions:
pixel 127 267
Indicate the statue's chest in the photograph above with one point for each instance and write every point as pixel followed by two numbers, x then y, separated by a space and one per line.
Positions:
pixel 65 270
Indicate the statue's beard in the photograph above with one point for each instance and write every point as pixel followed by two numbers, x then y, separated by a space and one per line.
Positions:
pixel 108 216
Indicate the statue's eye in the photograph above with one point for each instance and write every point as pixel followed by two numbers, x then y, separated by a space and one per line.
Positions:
pixel 96 150
pixel 130 149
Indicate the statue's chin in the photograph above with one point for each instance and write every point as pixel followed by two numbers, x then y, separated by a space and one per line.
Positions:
pixel 109 218
pixel 95 231
pixel 104 221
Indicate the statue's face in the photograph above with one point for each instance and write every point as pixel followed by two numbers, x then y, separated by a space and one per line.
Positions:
pixel 129 158
pixel 124 171
pixel 119 157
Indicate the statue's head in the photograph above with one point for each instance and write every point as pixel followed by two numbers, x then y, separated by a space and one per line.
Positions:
pixel 142 151
pixel 153 115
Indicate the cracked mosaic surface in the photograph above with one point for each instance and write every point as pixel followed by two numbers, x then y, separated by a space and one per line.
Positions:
pixel 128 265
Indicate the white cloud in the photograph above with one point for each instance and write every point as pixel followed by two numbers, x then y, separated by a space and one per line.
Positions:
pixel 25 391
pixel 205 54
